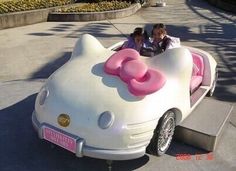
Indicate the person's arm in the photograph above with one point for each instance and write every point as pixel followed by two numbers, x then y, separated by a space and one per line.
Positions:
pixel 125 45
pixel 147 51
pixel 174 42
pixel 166 44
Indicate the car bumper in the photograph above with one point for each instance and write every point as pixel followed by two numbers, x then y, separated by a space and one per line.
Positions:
pixel 83 150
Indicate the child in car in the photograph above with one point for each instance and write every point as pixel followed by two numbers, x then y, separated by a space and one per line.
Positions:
pixel 136 39
pixel 162 41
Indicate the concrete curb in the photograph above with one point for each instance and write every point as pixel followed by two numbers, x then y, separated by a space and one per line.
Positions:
pixel 223 5
pixel 94 16
pixel 23 18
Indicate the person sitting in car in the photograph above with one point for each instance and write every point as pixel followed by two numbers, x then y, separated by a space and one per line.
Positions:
pixel 161 41
pixel 136 39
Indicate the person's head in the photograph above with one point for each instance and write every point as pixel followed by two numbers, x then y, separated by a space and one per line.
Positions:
pixel 158 26
pixel 138 35
pixel 158 34
pixel 158 31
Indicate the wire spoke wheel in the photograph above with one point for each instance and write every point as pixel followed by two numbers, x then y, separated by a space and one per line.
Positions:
pixel 163 134
pixel 166 134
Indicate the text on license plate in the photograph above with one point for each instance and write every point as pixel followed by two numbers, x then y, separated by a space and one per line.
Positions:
pixel 60 139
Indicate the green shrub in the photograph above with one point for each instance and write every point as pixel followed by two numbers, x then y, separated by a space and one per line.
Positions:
pixel 24 5
pixel 97 1
pixel 95 7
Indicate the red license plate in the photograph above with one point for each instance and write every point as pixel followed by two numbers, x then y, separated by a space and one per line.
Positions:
pixel 60 139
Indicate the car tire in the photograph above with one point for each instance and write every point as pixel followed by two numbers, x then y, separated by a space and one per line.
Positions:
pixel 211 91
pixel 163 134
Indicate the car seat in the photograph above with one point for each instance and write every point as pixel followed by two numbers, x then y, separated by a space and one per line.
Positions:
pixel 197 73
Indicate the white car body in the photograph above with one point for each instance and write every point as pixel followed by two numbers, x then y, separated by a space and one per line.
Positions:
pixel 82 90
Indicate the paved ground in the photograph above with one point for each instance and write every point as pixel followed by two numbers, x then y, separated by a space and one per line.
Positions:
pixel 28 55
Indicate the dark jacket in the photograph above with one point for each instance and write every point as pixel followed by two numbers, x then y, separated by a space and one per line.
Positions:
pixel 164 43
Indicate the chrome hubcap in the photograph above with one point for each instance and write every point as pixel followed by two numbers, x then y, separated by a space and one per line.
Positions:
pixel 166 134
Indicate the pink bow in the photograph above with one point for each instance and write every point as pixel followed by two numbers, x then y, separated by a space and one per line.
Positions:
pixel 141 80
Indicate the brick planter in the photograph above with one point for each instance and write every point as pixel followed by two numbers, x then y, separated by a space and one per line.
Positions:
pixel 24 18
pixel 94 16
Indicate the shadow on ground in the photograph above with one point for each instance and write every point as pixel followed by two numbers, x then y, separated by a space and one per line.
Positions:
pixel 99 30
pixel 49 68
pixel 178 148
pixel 21 149
pixel 221 34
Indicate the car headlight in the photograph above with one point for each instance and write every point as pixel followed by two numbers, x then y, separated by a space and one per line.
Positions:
pixel 43 95
pixel 106 119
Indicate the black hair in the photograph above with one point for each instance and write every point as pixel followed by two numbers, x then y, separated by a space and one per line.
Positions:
pixel 138 31
pixel 158 26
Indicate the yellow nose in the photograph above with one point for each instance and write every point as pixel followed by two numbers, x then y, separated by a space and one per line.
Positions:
pixel 63 120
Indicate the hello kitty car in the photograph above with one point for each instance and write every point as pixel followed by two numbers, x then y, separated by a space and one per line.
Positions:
pixel 112 105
